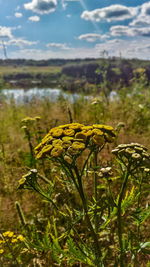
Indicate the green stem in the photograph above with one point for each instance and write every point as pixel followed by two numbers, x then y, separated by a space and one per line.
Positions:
pixel 68 170
pixel 20 213
pixel 84 202
pixel 86 161
pixel 38 189
pixel 95 192
pixel 120 228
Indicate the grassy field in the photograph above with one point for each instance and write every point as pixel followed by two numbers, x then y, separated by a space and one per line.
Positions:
pixel 29 69
pixel 64 237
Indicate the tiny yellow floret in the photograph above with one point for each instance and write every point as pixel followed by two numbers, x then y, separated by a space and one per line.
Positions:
pixel 56 132
pixel 69 132
pixel 14 240
pixel 78 145
pixel 22 180
pixel 21 237
pixel 57 151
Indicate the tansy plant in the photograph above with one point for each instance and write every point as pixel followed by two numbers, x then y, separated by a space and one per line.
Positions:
pixel 11 244
pixel 93 231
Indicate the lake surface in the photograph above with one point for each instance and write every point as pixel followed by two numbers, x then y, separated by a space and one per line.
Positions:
pixel 27 95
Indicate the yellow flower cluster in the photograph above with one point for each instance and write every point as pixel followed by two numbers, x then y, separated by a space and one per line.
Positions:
pixel 140 70
pixel 11 238
pixel 72 139
pixel 29 120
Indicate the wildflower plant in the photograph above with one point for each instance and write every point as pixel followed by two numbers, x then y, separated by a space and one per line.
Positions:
pixel 88 234
pixel 11 244
pixel 32 130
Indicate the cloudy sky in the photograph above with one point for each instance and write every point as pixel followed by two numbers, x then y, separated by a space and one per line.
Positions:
pixel 42 29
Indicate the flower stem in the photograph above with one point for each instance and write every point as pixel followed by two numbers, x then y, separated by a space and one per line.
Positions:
pixel 120 228
pixel 85 207
pixel 95 192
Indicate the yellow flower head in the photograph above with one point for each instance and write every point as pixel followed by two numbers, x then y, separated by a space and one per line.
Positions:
pixel 39 155
pixel 75 126
pixel 57 151
pixel 20 237
pixel 139 70
pixel 66 144
pixel 81 135
pixel 108 128
pixel 8 234
pixel 56 132
pixel 88 133
pixel 97 132
pixel 67 138
pixel 57 142
pixel 47 139
pixel 46 149
pixel 1 251
pixel 38 147
pixel 87 128
pixel 27 121
pixel 78 145
pixel 105 128
pixel 64 126
pixel 69 132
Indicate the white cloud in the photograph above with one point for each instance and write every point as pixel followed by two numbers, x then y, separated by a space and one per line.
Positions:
pixel 46 54
pixel 143 18
pixel 92 37
pixel 34 18
pixel 5 32
pixel 127 48
pixel 41 6
pixel 141 21
pixel 18 15
pixel 58 46
pixel 129 31
pixel 145 9
pixel 139 48
pixel 110 13
pixel 121 30
pixel 20 42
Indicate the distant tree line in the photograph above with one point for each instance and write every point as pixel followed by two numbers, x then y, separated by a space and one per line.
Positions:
pixel 78 74
pixel 38 63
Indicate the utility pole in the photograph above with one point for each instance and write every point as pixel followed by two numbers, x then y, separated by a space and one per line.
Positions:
pixel 4 49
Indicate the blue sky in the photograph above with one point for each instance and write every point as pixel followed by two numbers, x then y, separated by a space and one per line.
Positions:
pixel 43 29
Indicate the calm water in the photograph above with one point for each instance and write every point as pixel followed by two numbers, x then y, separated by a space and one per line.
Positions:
pixel 24 96
pixel 27 95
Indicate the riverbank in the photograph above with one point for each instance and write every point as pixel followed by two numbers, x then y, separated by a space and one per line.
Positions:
pixel 82 76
